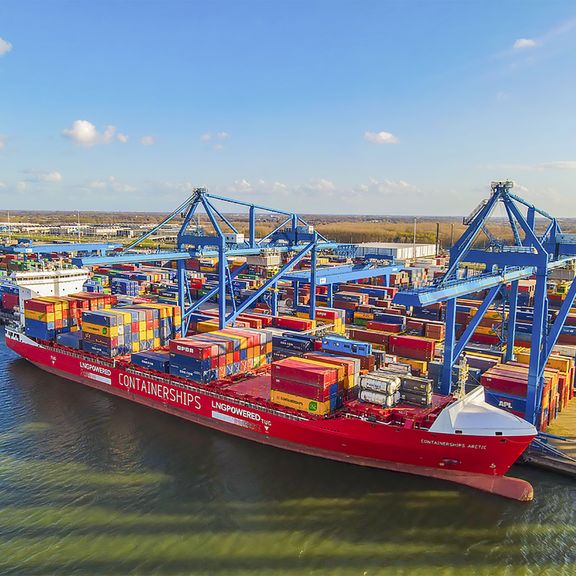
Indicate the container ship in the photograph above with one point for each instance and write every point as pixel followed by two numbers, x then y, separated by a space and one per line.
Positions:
pixel 326 396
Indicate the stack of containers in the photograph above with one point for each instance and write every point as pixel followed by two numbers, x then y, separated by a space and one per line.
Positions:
pixel 44 318
pixel 48 316
pixel 144 327
pixel 351 370
pixel 107 332
pixel 380 388
pixel 10 296
pixel 506 387
pixel 331 316
pixel 125 287
pixel 220 354
pixel 415 391
pixel 286 345
pixel 308 385
pixel 94 301
pixel 92 286
pixel 340 346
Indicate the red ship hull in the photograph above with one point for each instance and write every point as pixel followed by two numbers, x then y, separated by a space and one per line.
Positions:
pixel 476 461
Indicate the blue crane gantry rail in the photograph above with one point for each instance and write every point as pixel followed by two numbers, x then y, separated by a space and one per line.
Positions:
pixel 531 255
pixel 292 235
pixel 60 247
pixel 336 275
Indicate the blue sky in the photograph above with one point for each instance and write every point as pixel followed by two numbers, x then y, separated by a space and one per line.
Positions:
pixel 384 107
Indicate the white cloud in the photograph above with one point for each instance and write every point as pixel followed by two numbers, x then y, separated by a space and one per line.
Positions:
pixel 209 136
pixel 3 140
pixel 53 176
pixel 321 185
pixel 523 43
pixel 558 165
pixel 111 184
pixel 147 140
pixel 84 133
pixel 21 186
pixel 5 47
pixel 386 187
pixel 35 176
pixel 2 185
pixel 380 137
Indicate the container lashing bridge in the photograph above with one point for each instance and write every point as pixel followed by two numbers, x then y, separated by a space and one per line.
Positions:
pixel 533 254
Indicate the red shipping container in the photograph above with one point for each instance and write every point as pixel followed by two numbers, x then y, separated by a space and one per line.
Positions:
pixel 327 314
pixel 412 347
pixel 291 323
pixel 348 364
pixel 193 348
pixel 369 336
pixel 266 319
pixel 343 305
pixel 383 326
pixel 320 393
pixel 10 301
pixel 306 372
pixel 38 306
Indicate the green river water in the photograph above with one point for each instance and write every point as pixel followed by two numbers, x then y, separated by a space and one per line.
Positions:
pixel 95 485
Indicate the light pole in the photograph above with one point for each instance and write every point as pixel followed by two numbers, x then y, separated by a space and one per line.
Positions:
pixel 414 241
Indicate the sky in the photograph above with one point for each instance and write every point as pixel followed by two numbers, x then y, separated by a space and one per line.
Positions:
pixel 400 107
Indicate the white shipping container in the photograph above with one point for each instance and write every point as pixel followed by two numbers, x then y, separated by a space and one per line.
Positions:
pixel 386 400
pixel 382 384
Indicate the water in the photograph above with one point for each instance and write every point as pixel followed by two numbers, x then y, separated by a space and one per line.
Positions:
pixel 95 485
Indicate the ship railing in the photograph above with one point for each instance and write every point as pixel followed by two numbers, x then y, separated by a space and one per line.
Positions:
pixel 219 396
pixel 164 380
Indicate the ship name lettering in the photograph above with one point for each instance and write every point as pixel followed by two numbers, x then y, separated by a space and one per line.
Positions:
pixel 160 391
pixel 236 411
pixel 95 368
pixel 453 444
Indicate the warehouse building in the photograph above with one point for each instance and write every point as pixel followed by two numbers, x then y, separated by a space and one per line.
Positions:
pixel 395 250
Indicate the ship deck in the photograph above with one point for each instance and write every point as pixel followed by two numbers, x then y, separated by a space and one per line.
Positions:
pixel 254 389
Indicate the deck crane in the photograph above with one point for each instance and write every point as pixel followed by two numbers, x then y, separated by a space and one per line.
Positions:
pixel 532 254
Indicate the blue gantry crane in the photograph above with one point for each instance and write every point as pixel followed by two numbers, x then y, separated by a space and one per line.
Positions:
pixel 293 235
pixel 533 254
pixel 26 246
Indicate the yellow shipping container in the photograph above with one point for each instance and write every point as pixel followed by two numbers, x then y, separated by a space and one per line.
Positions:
pixel 560 363
pixel 111 331
pixel 420 365
pixel 300 403
pixel 490 314
pixel 40 316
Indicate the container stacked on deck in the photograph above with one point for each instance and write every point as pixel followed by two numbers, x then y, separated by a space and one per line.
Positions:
pixel 506 386
pixel 291 344
pixel 9 296
pixel 111 333
pixel 125 287
pixel 47 317
pixel 308 384
pixel 381 389
pixel 129 329
pixel 44 318
pixel 388 387
pixel 220 354
pixel 340 346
